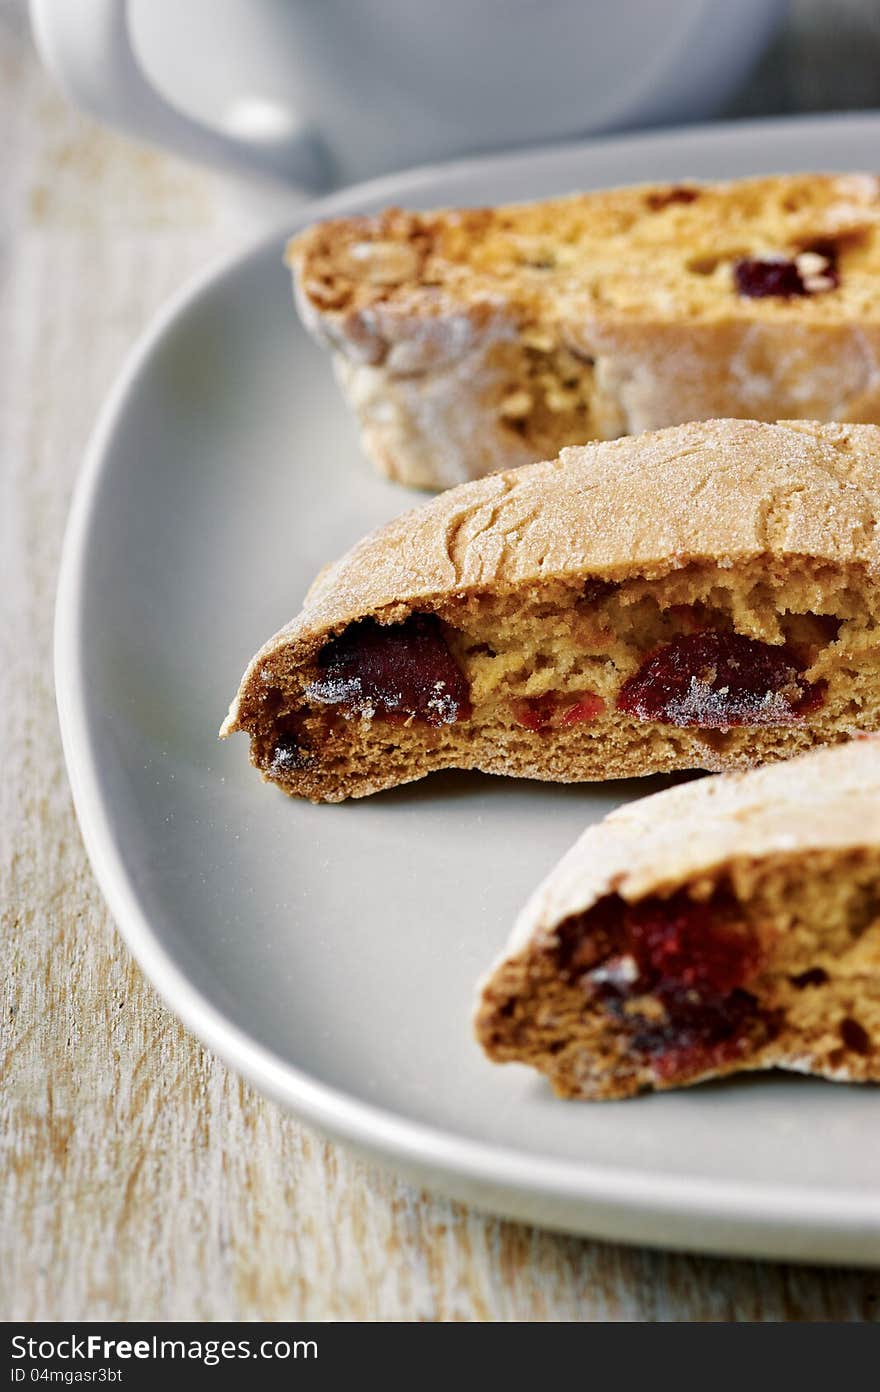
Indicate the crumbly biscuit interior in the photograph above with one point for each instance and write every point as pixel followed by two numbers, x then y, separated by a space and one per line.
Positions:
pixel 813 988
pixel 545 668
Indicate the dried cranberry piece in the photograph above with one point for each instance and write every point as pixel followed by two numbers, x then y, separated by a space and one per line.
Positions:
pixel 695 1032
pixel 759 277
pixel 715 680
pixel 587 707
pixel 396 670
pixel 536 713
pixel 540 713
pixel 585 940
pixel 686 945
pixel 694 958
pixel 855 1036
pixel 706 1035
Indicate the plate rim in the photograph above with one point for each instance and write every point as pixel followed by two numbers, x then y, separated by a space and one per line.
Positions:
pixel 500 1173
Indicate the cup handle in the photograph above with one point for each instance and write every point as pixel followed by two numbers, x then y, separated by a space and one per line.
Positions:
pixel 87 46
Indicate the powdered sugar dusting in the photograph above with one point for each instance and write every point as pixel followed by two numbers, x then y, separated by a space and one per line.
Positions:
pixel 709 708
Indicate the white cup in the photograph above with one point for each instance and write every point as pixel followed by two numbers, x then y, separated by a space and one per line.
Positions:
pixel 321 92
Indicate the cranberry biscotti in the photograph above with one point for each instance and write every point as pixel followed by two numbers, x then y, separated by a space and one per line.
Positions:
pixel 703 597
pixel 724 925
pixel 468 341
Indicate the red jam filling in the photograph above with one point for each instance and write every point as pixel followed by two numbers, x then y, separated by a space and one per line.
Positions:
pixel 694 958
pixel 396 671
pixel 716 680
pixel 775 276
pixel 552 712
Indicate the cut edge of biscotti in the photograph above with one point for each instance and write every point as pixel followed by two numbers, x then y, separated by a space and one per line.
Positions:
pixel 723 926
pixel 468 340
pixel 403 269
pixel 700 598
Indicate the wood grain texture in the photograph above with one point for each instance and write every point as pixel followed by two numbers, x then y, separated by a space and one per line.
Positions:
pixel 139 1178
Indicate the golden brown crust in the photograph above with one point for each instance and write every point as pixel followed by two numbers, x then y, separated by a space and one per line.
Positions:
pixel 475 339
pixel 726 491
pixel 799 842
pixel 728 495
pixel 828 799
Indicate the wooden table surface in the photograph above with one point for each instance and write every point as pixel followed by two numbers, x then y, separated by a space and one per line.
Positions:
pixel 139 1178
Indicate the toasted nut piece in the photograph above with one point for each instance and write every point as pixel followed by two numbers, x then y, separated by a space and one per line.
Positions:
pixel 385 263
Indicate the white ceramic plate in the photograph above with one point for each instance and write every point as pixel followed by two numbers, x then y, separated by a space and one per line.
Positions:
pixel 330 953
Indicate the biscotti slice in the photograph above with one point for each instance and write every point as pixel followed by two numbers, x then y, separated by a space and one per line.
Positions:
pixel 698 598
pixel 703 597
pixel 725 925
pixel 469 341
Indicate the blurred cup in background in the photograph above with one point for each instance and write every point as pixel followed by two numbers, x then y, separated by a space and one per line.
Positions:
pixel 325 92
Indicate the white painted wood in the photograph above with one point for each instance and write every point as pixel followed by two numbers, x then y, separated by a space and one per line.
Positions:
pixel 138 1178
